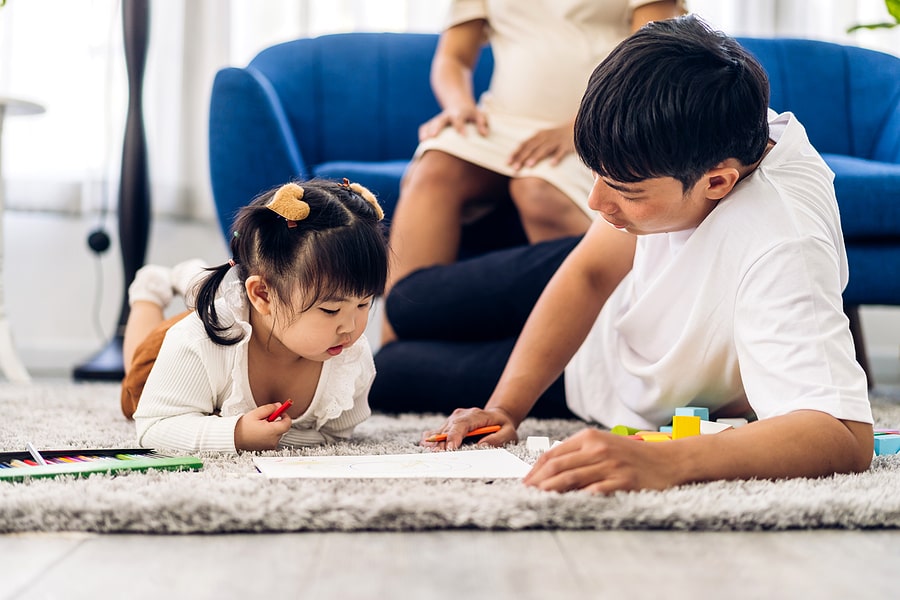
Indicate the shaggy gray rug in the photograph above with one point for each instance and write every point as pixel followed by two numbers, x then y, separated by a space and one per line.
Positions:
pixel 227 495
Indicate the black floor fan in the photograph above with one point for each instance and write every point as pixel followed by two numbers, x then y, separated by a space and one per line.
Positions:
pixel 134 189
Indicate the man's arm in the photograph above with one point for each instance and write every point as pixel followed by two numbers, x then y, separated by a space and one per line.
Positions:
pixel 804 443
pixel 787 310
pixel 558 324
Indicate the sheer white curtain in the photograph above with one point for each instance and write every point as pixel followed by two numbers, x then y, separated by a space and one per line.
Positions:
pixel 68 56
pixel 815 19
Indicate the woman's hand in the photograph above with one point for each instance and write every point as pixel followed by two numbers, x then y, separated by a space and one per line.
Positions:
pixel 456 118
pixel 254 432
pixel 553 144
pixel 601 462
pixel 464 420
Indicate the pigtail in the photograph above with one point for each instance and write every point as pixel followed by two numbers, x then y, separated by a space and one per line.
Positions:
pixel 206 305
pixel 208 291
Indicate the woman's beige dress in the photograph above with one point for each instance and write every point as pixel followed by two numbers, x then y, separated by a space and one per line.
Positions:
pixel 544 53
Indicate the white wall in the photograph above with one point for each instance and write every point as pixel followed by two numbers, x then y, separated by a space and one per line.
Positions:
pixel 63 302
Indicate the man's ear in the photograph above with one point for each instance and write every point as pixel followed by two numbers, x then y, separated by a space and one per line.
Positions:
pixel 720 180
pixel 258 294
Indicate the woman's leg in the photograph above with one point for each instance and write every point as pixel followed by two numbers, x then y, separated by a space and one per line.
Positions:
pixel 546 212
pixel 425 227
pixel 458 324
pixel 485 298
pixel 435 376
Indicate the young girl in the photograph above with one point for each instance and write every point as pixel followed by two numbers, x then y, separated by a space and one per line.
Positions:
pixel 283 319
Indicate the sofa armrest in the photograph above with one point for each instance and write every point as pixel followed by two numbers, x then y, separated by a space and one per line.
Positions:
pixel 888 148
pixel 251 147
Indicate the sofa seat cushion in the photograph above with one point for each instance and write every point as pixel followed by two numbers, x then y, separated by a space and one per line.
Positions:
pixel 382 178
pixel 874 274
pixel 868 197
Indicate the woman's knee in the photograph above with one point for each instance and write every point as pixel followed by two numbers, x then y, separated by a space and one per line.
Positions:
pixel 442 175
pixel 541 203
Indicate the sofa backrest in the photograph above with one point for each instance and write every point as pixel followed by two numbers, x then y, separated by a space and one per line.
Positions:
pixel 357 96
pixel 847 97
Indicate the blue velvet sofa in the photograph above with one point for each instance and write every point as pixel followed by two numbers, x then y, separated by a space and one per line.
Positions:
pixel 344 105
pixel 349 105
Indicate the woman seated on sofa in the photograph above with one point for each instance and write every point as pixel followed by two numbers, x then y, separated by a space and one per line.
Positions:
pixel 516 141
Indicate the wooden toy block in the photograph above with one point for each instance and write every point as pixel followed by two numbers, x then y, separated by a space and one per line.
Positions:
pixel 685 426
pixel 734 422
pixel 693 411
pixel 654 436
pixel 537 443
pixel 888 443
pixel 710 427
pixel 666 429
pixel 624 430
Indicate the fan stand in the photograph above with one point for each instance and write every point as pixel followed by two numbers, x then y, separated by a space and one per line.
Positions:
pixel 134 189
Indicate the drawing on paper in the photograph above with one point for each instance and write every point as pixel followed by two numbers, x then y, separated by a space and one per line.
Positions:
pixel 474 464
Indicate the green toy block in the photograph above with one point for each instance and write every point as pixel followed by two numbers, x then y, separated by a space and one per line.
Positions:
pixel 624 430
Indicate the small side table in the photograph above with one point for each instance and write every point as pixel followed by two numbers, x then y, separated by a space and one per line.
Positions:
pixel 10 362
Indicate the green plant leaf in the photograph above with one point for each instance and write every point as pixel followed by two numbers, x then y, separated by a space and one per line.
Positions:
pixel 893 7
pixel 873 26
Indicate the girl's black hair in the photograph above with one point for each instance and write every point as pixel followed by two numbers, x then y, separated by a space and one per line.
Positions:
pixel 673 100
pixel 338 250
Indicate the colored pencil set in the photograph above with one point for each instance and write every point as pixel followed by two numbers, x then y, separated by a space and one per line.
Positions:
pixel 18 466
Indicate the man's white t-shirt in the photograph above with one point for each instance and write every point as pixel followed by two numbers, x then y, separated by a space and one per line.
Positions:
pixel 747 305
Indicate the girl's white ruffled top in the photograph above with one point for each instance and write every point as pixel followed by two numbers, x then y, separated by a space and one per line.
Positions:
pixel 198 390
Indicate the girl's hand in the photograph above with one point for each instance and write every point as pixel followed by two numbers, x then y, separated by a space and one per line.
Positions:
pixel 456 118
pixel 254 432
pixel 464 420
pixel 554 144
pixel 601 462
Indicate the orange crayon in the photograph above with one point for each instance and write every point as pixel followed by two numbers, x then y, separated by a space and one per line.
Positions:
pixel 442 437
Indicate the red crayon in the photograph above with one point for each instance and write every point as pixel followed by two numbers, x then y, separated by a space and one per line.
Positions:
pixel 279 410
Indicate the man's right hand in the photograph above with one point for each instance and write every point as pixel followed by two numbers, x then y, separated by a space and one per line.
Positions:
pixel 464 420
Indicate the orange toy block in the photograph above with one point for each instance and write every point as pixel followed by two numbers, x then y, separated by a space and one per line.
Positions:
pixel 653 436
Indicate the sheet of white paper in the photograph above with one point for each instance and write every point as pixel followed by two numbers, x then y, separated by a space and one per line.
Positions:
pixel 462 464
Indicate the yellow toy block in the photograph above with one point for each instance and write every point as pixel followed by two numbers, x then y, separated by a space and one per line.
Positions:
pixel 685 426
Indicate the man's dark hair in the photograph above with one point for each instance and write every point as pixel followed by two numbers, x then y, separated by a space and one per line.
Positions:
pixel 673 100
